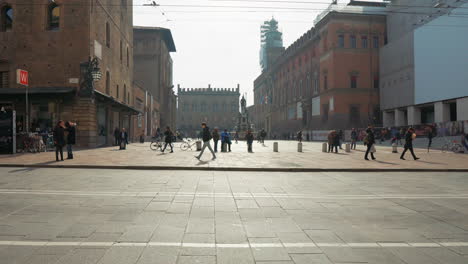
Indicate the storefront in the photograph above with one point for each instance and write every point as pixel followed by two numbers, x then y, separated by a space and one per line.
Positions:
pixel 45 106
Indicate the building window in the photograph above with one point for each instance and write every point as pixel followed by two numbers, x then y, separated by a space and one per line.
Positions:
pixel 353 42
pixel 108 41
pixel 340 41
pixel 194 108
pixel 4 79
pixel 316 86
pixel 215 108
pixel 121 51
pixel 107 82
pixel 376 42
pixel 6 17
pixel 53 17
pixel 125 93
pixel 128 57
pixel 234 107
pixel 353 81
pixel 203 107
pixel 376 82
pixel 364 42
pixel 117 90
pixel 325 82
pixel 300 89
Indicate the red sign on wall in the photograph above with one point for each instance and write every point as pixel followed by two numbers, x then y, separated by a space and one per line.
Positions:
pixel 22 77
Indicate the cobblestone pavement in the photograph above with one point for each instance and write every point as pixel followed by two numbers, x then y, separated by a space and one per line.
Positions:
pixel 74 216
pixel 264 157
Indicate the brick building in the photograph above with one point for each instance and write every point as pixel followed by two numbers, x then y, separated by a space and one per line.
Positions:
pixel 153 70
pixel 219 107
pixel 147 120
pixel 328 78
pixel 52 40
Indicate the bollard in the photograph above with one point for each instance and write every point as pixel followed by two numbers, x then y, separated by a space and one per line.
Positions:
pixel 275 147
pixel 394 148
pixel 223 147
pixel 198 143
pixel 348 147
pixel 325 147
pixel 299 147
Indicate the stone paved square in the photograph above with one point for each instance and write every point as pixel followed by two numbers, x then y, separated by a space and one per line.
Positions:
pixel 53 215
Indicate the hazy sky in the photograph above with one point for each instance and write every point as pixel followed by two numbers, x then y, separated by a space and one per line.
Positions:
pixel 220 45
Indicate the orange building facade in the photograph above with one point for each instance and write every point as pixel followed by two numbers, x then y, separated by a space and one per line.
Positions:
pixel 327 79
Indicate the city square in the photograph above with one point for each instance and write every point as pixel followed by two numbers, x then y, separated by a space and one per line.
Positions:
pixel 233 132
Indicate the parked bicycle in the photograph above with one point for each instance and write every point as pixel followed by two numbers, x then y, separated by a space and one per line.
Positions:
pixel 187 144
pixel 453 146
pixel 156 144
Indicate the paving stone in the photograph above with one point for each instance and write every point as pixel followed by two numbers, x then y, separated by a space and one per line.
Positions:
pixel 121 255
pixel 310 259
pixel 197 259
pixel 163 255
pixel 234 256
pixel 83 256
pixel 137 233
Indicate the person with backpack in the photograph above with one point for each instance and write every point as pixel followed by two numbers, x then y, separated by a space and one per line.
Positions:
pixel 409 137
pixel 206 137
pixel 168 139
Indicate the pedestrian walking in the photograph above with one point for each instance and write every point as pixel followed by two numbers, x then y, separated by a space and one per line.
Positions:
pixel 123 139
pixel 226 140
pixel 370 139
pixel 216 139
pixel 236 137
pixel 168 139
pixel 250 138
pixel 116 136
pixel 409 137
pixel 430 136
pixel 71 138
pixel 354 138
pixel 59 140
pixel 262 136
pixel 400 135
pixel 299 136
pixel 206 136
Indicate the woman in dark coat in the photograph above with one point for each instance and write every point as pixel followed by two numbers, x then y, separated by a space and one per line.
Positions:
pixel 168 137
pixel 71 138
pixel 370 142
pixel 250 138
pixel 59 140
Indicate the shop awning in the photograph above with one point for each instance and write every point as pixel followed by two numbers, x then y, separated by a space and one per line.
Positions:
pixel 37 90
pixel 110 99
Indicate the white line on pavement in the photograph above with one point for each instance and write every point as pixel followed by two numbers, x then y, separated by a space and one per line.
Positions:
pixel 239 245
pixel 235 195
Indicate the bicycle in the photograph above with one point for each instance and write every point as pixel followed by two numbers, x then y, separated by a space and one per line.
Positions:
pixel 453 146
pixel 156 144
pixel 187 144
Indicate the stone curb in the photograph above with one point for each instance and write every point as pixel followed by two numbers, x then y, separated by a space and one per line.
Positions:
pixel 240 169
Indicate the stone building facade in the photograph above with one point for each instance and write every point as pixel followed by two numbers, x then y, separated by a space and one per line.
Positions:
pixel 147 121
pixel 328 78
pixel 153 70
pixel 51 40
pixel 218 107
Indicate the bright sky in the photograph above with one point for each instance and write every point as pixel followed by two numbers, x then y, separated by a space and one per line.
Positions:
pixel 220 45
